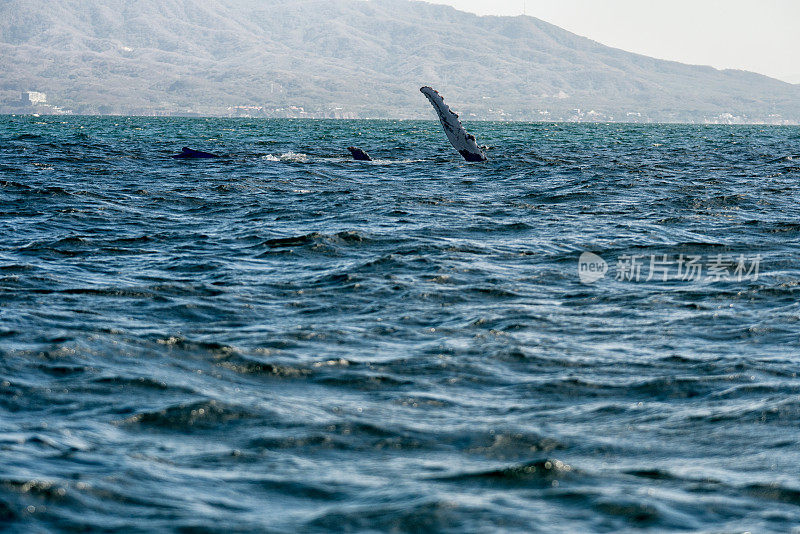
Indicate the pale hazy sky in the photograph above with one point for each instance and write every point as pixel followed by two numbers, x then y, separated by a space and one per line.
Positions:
pixel 758 35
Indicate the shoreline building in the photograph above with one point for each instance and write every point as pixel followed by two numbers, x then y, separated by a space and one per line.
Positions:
pixel 33 98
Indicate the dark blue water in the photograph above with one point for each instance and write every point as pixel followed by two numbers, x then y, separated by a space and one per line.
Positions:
pixel 285 340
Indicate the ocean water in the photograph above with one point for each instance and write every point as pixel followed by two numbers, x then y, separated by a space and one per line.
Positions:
pixel 284 340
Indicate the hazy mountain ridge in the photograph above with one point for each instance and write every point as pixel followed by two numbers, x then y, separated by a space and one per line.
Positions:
pixel 350 58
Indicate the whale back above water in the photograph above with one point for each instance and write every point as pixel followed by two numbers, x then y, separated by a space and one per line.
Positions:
pixel 462 141
pixel 188 153
pixel 358 154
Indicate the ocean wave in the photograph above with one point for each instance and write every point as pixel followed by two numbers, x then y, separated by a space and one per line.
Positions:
pixel 299 341
pixel 536 472
pixel 196 415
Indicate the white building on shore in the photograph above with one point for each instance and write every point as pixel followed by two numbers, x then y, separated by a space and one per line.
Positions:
pixel 34 98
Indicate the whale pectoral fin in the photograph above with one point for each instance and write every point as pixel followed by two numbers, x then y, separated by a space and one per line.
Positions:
pixel 464 142
pixel 471 156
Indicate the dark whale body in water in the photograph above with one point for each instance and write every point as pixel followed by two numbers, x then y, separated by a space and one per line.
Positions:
pixel 188 153
pixel 461 140
pixel 358 154
pixel 471 156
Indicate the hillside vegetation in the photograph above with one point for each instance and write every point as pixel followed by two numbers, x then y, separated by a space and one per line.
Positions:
pixel 350 58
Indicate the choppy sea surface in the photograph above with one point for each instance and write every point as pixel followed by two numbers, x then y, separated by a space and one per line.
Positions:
pixel 285 340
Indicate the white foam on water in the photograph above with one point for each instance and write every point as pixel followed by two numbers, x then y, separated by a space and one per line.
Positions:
pixel 291 157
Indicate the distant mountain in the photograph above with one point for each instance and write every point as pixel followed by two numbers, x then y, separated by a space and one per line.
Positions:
pixel 349 58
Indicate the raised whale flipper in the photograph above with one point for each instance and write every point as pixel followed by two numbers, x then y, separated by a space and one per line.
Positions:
pixel 187 153
pixel 462 141
pixel 358 154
